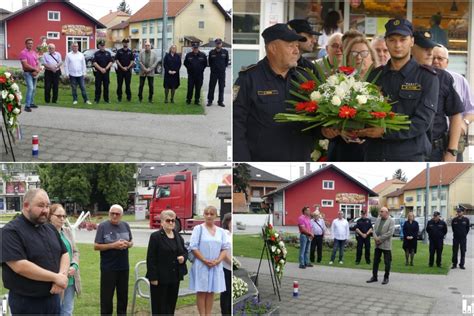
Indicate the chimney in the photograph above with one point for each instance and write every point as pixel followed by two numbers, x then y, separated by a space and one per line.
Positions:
pixel 308 169
pixel 301 171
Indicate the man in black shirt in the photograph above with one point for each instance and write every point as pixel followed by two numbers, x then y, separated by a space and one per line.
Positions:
pixel 125 61
pixel 218 61
pixel 34 260
pixel 303 28
pixel 113 239
pixel 461 226
pixel 363 230
pixel 102 63
pixel 436 229
pixel 195 62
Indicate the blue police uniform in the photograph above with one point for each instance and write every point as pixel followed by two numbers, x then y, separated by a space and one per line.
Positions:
pixel 218 61
pixel 436 232
pixel 102 58
pixel 195 63
pixel 126 58
pixel 461 227
pixel 364 225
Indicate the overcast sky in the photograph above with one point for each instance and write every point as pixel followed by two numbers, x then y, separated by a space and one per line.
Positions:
pixel 99 8
pixel 369 174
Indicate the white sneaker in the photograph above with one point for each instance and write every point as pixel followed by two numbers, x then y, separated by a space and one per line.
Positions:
pixel 88 102
pixel 340 262
pixel 330 262
pixel 74 103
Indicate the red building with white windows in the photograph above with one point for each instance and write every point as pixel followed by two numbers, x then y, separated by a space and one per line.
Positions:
pixel 59 21
pixel 328 189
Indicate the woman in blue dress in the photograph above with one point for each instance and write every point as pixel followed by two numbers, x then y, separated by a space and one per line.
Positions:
pixel 171 65
pixel 209 244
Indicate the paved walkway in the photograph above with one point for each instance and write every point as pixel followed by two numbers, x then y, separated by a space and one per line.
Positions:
pixel 328 290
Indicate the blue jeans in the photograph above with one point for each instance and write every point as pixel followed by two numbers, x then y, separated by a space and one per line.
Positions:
pixel 305 244
pixel 30 88
pixel 78 81
pixel 67 305
pixel 338 244
pixel 45 305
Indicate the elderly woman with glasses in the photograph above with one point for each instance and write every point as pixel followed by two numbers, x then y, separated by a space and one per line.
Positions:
pixel 208 244
pixel 57 217
pixel 166 265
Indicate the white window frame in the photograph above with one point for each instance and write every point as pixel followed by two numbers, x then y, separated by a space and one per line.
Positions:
pixel 56 36
pixel 329 181
pixel 327 203
pixel 357 209
pixel 82 39
pixel 59 16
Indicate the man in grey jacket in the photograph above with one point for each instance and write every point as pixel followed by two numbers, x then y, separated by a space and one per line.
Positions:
pixel 148 63
pixel 383 232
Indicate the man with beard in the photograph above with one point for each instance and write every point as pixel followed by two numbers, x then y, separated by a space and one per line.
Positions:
pixel 303 28
pixel 260 92
pixel 413 89
pixel 35 261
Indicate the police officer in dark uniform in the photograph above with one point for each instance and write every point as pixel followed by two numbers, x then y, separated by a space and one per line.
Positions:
pixel 363 230
pixel 125 62
pixel 445 145
pixel 195 62
pixel 303 28
pixel 260 92
pixel 102 63
pixel 218 61
pixel 414 89
pixel 436 229
pixel 461 226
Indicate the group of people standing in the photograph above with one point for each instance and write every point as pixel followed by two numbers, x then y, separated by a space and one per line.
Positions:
pixel 312 229
pixel 41 267
pixel 74 66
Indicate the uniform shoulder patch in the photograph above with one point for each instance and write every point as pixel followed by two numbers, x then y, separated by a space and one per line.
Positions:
pixel 246 68
pixel 429 69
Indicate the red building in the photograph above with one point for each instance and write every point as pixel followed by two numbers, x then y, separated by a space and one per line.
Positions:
pixel 328 189
pixel 59 21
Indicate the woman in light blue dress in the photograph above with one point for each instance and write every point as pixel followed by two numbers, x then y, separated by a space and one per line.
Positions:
pixel 208 243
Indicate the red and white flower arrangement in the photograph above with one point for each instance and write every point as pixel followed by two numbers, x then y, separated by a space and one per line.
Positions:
pixel 277 249
pixel 10 97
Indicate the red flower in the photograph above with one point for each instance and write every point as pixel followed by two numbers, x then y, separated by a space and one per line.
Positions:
pixel 310 106
pixel 379 115
pixel 323 158
pixel 3 79
pixel 270 226
pixel 276 258
pixel 308 85
pixel 10 107
pixel 300 106
pixel 391 114
pixel 272 238
pixel 347 112
pixel 347 70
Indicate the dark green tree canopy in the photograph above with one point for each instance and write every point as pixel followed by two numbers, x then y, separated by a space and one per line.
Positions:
pixel 124 7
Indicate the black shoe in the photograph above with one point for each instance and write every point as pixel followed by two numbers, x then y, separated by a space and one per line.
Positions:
pixel 454 266
pixel 209 103
pixel 108 102
pixel 221 104
pixel 302 266
pixel 438 265
pixel 368 262
pixel 119 99
pixel 357 262
pixel 140 100
pixel 197 103
pixel 462 268
pixel 33 106
pixel 172 101
pixel 129 100
pixel 188 101
pixel 385 281
pixel 166 101
pixel 309 265
pixel 28 109
pixel 372 280
pixel 150 101
pixel 431 266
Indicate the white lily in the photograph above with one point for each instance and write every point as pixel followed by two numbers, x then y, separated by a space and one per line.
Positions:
pixel 324 143
pixel 8 75
pixel 11 97
pixel 361 99
pixel 15 87
pixel 333 80
pixel 273 248
pixel 4 94
pixel 315 96
pixel 16 111
pixel 336 100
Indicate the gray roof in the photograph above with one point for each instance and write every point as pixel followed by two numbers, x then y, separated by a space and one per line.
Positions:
pixel 264 176
pixel 150 171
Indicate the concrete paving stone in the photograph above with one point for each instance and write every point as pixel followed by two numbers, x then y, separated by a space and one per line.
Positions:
pixel 83 154
pixel 135 154
pixel 99 157
pixel 61 158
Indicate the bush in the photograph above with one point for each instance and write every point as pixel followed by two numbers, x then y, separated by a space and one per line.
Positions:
pixel 374 211
pixel 329 242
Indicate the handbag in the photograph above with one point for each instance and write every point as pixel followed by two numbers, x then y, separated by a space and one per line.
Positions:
pixel 191 256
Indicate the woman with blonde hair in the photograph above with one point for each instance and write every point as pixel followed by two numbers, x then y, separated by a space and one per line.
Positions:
pixel 208 244
pixel 171 66
pixel 360 54
pixel 410 237
pixel 57 217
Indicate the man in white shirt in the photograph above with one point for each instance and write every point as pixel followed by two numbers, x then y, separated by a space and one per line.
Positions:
pixel 340 233
pixel 75 68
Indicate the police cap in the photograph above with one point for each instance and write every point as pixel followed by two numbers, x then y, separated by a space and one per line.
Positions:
pixel 101 43
pixel 398 26
pixel 125 41
pixel 436 213
pixel 423 39
pixel 281 31
pixel 194 44
pixel 218 41
pixel 302 26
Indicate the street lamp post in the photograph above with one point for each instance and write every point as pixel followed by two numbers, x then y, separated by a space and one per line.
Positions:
pixel 164 40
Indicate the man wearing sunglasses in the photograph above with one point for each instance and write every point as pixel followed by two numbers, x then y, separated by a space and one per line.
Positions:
pixel 113 239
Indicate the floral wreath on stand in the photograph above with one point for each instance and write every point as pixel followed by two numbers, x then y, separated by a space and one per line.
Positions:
pixel 276 247
pixel 10 97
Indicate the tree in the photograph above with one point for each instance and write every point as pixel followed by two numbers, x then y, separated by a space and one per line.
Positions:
pixel 241 178
pixel 114 181
pixel 124 7
pixel 400 175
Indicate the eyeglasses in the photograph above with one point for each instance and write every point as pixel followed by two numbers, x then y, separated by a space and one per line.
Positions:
pixel 115 214
pixel 336 46
pixel 60 216
pixel 362 54
pixel 439 58
pixel 170 220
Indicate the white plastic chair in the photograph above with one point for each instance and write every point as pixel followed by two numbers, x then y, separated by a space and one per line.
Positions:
pixel 141 287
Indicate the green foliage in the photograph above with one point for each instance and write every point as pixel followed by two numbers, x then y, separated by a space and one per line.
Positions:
pixel 124 7
pixel 374 211
pixel 400 175
pixel 115 181
pixel 241 178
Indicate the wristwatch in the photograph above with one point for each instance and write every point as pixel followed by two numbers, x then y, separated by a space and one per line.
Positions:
pixel 453 152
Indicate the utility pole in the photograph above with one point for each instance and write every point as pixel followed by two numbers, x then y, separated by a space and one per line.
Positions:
pixel 427 201
pixel 164 35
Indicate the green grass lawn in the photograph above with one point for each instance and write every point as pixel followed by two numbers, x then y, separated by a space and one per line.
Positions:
pixel 251 246
pixel 158 107
pixel 88 303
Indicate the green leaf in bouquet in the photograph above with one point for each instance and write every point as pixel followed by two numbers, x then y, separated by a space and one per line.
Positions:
pixel 293 102
pixel 336 63
pixel 327 66
pixel 299 95
pixel 311 127
pixel 368 73
pixel 376 77
pixel 301 77
pixel 313 77
pixel 320 71
pixel 295 84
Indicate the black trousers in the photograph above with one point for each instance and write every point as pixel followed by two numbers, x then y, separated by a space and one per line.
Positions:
pixel 121 76
pixel 459 244
pixel 150 87
pixel 436 246
pixel 102 80
pixel 316 244
pixel 194 85
pixel 109 282
pixel 164 298
pixel 226 297
pixel 45 305
pixel 51 82
pixel 363 243
pixel 387 260
pixel 215 77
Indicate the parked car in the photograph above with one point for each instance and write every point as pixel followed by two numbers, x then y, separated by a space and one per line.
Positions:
pixel 353 223
pixel 89 55
pixel 421 225
pixel 397 230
